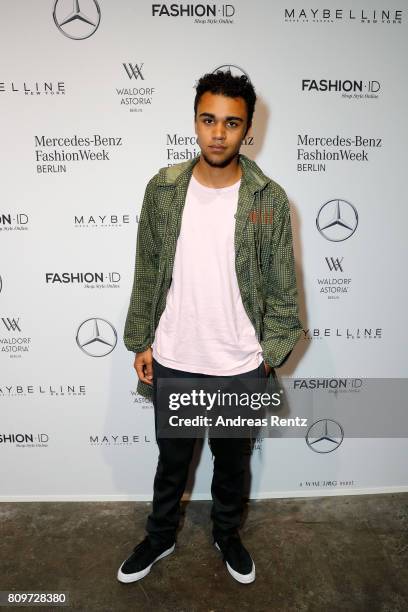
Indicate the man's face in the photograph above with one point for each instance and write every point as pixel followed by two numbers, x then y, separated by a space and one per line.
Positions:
pixel 220 126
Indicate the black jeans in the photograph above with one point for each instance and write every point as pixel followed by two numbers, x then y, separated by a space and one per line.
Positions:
pixel 172 470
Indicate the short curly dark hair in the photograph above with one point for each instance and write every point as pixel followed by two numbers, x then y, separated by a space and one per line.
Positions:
pixel 226 84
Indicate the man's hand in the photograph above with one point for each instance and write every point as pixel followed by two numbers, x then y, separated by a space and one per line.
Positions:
pixel 144 366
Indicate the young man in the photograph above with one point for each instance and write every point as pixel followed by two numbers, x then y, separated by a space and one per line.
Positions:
pixel 214 294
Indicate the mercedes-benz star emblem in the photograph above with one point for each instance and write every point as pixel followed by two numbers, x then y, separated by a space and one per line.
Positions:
pixel 324 436
pixel 80 22
pixel 235 70
pixel 96 337
pixel 337 220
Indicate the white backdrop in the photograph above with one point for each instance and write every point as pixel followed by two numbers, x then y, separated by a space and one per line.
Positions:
pixel 91 108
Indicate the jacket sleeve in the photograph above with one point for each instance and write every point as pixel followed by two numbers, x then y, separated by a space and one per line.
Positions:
pixel 137 332
pixel 281 324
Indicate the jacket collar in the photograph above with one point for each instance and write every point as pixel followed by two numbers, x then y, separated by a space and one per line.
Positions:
pixel 254 180
pixel 180 174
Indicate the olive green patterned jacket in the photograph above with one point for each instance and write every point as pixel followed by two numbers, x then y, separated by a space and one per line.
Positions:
pixel 264 261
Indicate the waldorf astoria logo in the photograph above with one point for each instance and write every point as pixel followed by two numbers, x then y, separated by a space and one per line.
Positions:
pixel 337 284
pixel 11 323
pixel 134 71
pixel 136 398
pixel 136 95
pixel 335 263
pixel 13 343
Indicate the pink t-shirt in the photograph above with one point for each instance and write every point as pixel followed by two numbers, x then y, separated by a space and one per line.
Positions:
pixel 204 327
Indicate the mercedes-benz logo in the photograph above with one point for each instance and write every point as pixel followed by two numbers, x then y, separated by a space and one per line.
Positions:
pixel 81 22
pixel 235 70
pixel 337 220
pixel 96 337
pixel 324 436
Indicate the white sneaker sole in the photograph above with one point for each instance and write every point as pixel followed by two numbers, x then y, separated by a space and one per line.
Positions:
pixel 242 578
pixel 126 578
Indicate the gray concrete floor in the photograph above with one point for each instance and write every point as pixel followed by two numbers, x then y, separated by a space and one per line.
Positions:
pixel 318 554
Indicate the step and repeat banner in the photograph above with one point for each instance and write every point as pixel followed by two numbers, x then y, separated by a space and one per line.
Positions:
pixel 95 97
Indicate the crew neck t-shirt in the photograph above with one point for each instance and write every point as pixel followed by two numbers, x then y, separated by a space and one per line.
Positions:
pixel 204 327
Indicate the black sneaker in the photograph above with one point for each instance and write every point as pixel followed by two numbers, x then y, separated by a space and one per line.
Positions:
pixel 237 559
pixel 141 560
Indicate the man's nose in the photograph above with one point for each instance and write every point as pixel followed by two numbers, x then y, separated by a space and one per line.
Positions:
pixel 219 131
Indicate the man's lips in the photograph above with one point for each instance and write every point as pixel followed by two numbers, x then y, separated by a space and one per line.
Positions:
pixel 217 148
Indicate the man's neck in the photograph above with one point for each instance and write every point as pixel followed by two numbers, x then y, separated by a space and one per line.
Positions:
pixel 211 176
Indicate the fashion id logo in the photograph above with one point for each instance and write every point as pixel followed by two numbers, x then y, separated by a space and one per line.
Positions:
pixel 205 14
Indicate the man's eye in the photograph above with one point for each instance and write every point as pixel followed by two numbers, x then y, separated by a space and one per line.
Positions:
pixel 232 124
pixel 207 120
